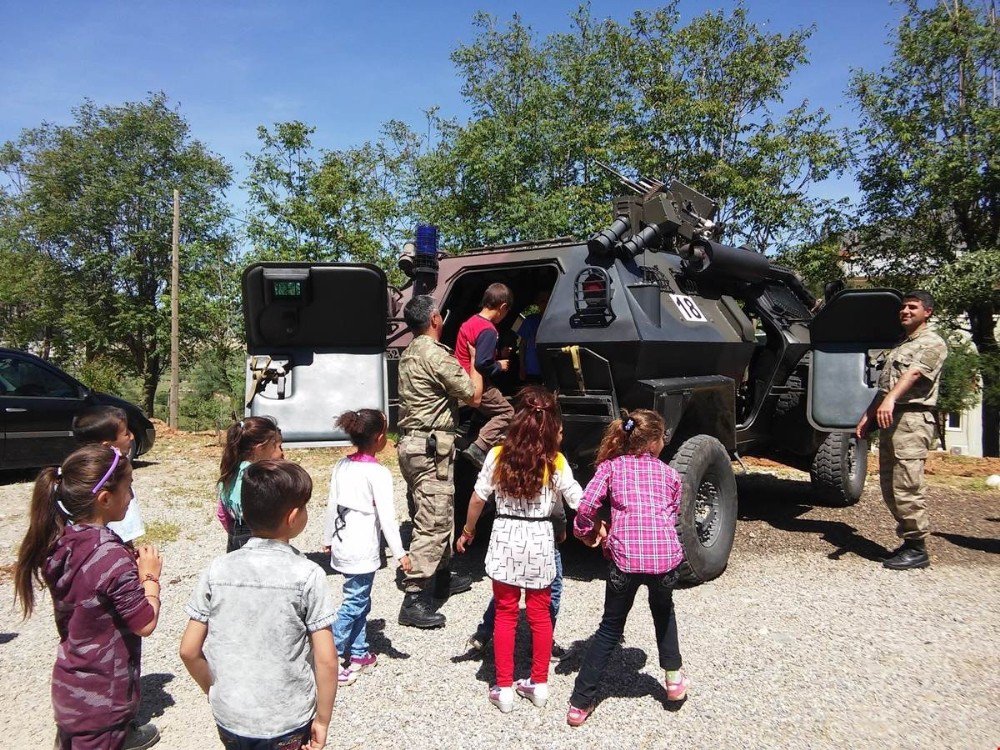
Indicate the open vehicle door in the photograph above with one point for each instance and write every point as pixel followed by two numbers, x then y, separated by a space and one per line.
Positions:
pixel 316 336
pixel 849 337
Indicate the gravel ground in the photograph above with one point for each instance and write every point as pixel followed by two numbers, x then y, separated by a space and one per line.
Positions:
pixel 804 642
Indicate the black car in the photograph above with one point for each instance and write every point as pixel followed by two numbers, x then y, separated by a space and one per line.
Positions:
pixel 37 404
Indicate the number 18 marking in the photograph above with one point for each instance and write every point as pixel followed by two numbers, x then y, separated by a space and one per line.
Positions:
pixel 688 308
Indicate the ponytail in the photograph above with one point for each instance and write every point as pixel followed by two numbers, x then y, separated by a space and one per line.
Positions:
pixel 63 494
pixel 44 528
pixel 633 434
pixel 241 438
pixel 362 426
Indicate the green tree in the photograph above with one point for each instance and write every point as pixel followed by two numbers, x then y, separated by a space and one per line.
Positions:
pixel 709 110
pixel 960 386
pixel 92 206
pixel 930 173
pixel 701 102
pixel 314 204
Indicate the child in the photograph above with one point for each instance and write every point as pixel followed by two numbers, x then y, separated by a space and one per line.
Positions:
pixel 249 440
pixel 530 478
pixel 105 598
pixel 480 332
pixel 108 425
pixel 361 510
pixel 642 543
pixel 252 613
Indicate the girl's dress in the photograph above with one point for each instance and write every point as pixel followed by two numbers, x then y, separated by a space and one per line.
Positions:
pixel 230 510
pixel 644 549
pixel 98 603
pixel 521 555
pixel 360 511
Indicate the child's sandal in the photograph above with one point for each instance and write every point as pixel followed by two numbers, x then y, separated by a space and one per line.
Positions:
pixel 576 716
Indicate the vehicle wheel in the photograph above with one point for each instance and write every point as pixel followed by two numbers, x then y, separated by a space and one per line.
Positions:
pixel 706 523
pixel 791 399
pixel 839 468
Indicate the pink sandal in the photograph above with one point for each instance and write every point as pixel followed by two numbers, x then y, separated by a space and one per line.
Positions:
pixel 576 716
pixel 677 691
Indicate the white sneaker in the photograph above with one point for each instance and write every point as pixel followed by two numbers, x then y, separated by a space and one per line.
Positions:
pixel 502 698
pixel 536 693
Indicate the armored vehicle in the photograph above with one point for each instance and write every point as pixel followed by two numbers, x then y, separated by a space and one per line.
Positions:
pixel 648 313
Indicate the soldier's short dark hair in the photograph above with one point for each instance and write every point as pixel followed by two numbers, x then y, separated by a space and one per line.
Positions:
pixel 271 489
pixel 923 297
pixel 496 295
pixel 419 311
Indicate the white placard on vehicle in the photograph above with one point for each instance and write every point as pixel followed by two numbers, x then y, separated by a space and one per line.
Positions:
pixel 688 308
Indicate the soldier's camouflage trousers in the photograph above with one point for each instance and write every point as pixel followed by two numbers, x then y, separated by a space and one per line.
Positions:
pixel 431 481
pixel 901 455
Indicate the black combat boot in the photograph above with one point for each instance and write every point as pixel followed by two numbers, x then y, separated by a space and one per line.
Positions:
pixel 913 555
pixel 418 613
pixel 446 583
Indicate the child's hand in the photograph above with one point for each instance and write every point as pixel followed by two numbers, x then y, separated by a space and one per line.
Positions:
pixel 149 562
pixel 463 541
pixel 317 739
pixel 597 536
pixel 405 564
pixel 504 364
pixel 560 537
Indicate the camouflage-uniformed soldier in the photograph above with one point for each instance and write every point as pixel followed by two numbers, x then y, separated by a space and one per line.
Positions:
pixel 431 384
pixel 903 411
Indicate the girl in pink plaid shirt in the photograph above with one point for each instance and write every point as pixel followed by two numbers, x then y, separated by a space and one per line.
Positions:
pixel 644 494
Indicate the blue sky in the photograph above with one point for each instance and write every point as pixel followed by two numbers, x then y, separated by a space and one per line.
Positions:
pixel 344 67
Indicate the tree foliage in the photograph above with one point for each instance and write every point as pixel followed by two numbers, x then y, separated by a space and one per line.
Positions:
pixel 701 102
pixel 930 172
pixel 91 210
pixel 313 204
pixel 960 388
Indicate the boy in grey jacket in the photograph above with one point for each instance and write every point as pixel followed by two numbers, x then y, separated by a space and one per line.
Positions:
pixel 256 615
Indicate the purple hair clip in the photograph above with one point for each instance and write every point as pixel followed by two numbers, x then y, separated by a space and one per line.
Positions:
pixel 628 426
pixel 114 465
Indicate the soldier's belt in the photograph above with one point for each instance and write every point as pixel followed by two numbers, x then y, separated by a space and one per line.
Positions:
pixel 423 433
pixel 913 407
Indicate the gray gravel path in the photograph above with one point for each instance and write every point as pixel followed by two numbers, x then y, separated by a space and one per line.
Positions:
pixel 788 649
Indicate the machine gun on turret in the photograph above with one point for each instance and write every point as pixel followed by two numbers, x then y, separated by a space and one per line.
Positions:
pixel 677 218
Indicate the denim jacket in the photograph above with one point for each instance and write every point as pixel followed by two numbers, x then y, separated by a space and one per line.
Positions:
pixel 261 603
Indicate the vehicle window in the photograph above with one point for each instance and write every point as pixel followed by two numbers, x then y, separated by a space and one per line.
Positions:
pixel 19 377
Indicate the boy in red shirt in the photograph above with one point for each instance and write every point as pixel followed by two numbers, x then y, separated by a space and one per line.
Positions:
pixel 480 331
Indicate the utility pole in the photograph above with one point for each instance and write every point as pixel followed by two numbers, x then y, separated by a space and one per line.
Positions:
pixel 175 369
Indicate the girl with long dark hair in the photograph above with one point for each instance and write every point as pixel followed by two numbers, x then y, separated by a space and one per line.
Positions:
pixel 247 441
pixel 105 597
pixel 530 479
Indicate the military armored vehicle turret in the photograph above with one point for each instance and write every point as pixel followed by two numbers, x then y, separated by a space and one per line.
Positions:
pixel 648 313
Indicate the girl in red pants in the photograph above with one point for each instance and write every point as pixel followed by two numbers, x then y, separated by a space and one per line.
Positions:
pixel 530 478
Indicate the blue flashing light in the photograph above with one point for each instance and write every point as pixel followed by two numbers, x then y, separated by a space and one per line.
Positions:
pixel 427 239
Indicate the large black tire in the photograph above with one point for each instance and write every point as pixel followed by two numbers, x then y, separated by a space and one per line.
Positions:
pixel 706 523
pixel 838 469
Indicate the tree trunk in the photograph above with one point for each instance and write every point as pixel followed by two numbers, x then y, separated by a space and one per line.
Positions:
pixel 150 381
pixel 983 323
pixel 991 431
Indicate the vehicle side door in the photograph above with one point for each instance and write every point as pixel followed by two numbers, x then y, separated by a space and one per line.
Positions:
pixel 316 341
pixel 848 337
pixel 38 404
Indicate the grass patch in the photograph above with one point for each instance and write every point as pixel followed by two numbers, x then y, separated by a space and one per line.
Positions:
pixel 160 532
